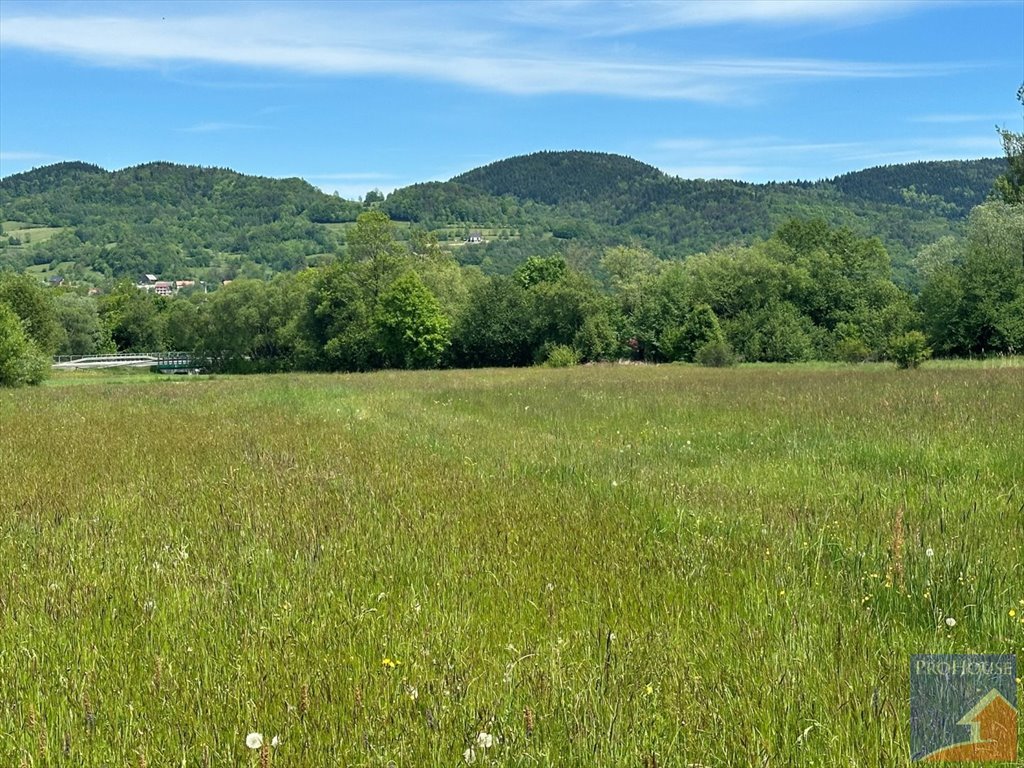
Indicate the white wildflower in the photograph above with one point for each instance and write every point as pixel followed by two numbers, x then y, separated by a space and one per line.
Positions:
pixel 254 741
pixel 469 756
pixel 950 622
pixel 929 552
pixel 484 740
pixel 275 742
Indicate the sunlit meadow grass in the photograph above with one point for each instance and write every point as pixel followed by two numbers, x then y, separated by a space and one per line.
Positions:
pixel 609 565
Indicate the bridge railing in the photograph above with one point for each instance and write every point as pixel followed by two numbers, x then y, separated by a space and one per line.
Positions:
pixel 131 359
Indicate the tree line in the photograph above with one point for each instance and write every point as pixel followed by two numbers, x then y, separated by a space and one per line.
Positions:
pixel 810 291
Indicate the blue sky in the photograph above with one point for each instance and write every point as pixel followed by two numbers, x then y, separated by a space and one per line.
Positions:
pixel 354 96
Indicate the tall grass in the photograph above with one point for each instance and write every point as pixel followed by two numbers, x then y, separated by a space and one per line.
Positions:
pixel 613 565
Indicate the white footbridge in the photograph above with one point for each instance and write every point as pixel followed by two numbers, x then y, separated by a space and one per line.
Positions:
pixel 171 362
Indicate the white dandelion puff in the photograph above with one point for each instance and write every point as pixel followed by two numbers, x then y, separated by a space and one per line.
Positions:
pixel 484 740
pixel 254 741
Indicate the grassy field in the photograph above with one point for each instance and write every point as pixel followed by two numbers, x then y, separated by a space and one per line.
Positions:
pixel 608 565
pixel 30 234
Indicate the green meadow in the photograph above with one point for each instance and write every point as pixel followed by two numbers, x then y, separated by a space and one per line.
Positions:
pixel 605 565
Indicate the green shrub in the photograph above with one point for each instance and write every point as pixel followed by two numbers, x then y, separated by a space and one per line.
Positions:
pixel 21 361
pixel 716 354
pixel 699 328
pixel 909 350
pixel 852 351
pixel 562 356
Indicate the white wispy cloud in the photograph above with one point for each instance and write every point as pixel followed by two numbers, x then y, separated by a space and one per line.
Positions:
pixel 623 17
pixel 21 156
pixel 220 127
pixel 354 176
pixel 444 42
pixel 954 118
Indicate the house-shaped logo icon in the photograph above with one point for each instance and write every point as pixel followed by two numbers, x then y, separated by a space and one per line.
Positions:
pixel 963 708
pixel 993 724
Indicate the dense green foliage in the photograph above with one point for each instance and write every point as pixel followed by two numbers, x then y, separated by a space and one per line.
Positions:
pixel 973 301
pixel 30 330
pixel 21 360
pixel 596 566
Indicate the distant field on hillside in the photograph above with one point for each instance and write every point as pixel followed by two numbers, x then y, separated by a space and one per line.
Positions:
pixel 606 565
pixel 28 234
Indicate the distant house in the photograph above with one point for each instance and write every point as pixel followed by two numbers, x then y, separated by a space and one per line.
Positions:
pixel 475 237
pixel 163 287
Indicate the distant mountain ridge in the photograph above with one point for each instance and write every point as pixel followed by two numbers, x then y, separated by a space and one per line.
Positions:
pixel 963 183
pixel 180 220
pixel 591 198
pixel 558 177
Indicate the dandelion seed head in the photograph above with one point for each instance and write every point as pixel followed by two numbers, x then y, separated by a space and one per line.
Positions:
pixel 484 740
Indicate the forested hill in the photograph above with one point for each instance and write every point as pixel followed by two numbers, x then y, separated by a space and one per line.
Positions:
pixel 45 179
pixel 551 201
pixel 90 225
pixel 560 177
pixel 555 178
pixel 163 218
pixel 961 184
